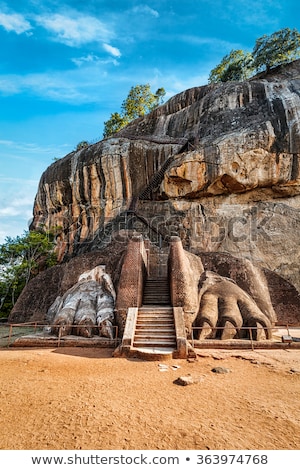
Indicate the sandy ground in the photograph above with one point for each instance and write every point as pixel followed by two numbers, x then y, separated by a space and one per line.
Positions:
pixel 75 398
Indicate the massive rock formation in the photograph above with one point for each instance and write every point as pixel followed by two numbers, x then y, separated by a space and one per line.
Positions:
pixel 217 165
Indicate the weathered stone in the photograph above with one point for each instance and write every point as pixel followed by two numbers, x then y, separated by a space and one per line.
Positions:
pixel 220 370
pixel 187 380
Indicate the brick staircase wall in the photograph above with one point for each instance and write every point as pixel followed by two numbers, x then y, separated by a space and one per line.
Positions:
pixel 132 278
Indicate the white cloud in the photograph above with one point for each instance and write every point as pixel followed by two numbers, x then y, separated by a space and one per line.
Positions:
pixel 8 86
pixel 216 43
pixel 65 86
pixel 112 50
pixel 145 9
pixel 16 206
pixel 14 22
pixel 6 142
pixel 75 86
pixel 92 59
pixel 74 31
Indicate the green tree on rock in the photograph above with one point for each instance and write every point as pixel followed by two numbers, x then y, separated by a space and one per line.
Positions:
pixel 22 258
pixel 140 101
pixel 235 66
pixel 279 48
pixel 82 145
pixel 115 123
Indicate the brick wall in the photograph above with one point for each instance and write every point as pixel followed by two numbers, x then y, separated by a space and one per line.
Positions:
pixel 133 273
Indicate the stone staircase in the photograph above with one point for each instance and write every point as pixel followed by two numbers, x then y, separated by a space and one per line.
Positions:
pixel 155 181
pixel 155 330
pixel 156 291
pixel 155 327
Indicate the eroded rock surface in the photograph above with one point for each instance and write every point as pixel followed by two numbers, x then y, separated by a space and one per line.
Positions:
pixel 230 180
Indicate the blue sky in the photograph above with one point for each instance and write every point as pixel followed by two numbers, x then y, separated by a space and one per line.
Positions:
pixel 67 65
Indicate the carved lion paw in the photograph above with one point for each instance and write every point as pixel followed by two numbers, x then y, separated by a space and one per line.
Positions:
pixel 226 311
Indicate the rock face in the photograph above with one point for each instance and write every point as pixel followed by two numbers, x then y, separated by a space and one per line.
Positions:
pixel 217 165
pixel 230 182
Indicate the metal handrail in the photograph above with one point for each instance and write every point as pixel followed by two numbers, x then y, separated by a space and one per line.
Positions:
pixel 36 325
pixel 248 328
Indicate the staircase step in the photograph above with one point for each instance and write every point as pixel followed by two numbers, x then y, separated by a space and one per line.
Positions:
pixel 157 295
pixel 154 344
pixel 155 290
pixel 167 323
pixel 155 337
pixel 155 316
pixel 151 330
pixel 156 286
pixel 155 324
pixel 157 309
pixel 160 339
pixel 163 281
pixel 154 299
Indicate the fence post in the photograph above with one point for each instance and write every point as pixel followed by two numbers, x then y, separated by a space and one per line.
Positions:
pixel 251 338
pixel 10 334
pixel 59 336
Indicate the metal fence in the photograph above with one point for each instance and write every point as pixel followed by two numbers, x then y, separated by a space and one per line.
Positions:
pixel 280 334
pixel 9 333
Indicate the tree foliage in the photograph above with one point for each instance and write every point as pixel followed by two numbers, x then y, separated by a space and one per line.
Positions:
pixel 82 145
pixel 279 48
pixel 140 101
pixel 22 258
pixel 115 123
pixel 235 66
